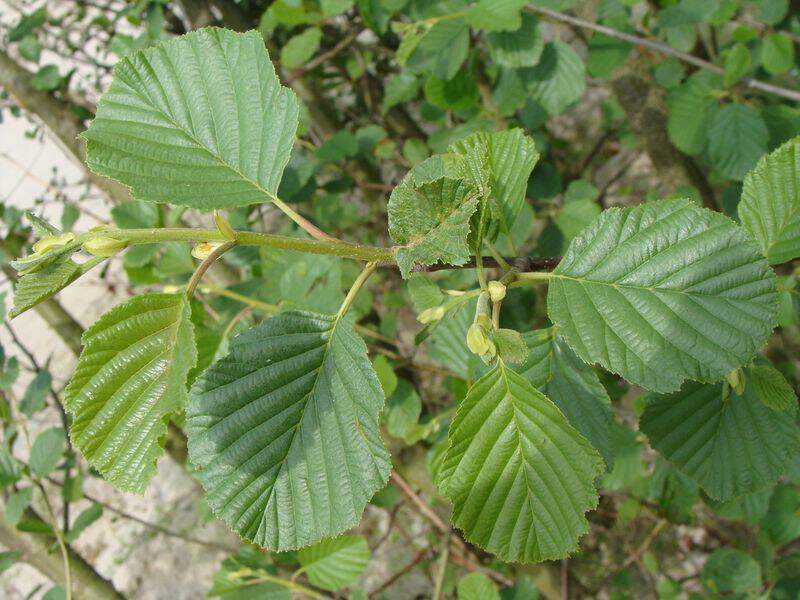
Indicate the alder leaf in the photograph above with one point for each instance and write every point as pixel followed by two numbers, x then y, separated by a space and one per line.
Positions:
pixel 737 137
pixel 691 106
pixel 770 205
pixel 771 387
pixel 730 444
pixel 130 378
pixel 284 431
pixel 520 48
pixel 519 475
pixel 558 80
pixel 200 121
pixel 664 292
pixel 554 369
pixel 335 563
pixel 36 287
pixel 431 222
pixel 498 165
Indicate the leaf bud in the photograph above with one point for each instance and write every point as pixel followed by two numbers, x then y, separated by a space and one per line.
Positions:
pixel 477 340
pixel 204 249
pixel 497 291
pixel 103 246
pixel 44 245
pixel 224 227
pixel 429 315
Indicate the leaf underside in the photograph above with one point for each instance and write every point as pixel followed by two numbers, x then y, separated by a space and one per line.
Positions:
pixel 664 292
pixel 730 445
pixel 200 121
pixel 519 475
pixel 130 378
pixel 284 431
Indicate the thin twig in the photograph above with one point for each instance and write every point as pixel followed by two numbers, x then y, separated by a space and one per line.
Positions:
pixel 663 49
pixel 414 562
pixel 205 265
pixel 154 526
pixel 457 542
pixel 441 570
pixel 321 58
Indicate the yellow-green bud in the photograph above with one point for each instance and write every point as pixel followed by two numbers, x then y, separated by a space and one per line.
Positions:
pixel 103 246
pixel 497 291
pixel 736 380
pixel 203 250
pixel 101 227
pixel 429 315
pixel 484 321
pixel 171 289
pixel 224 227
pixel 44 245
pixel 477 341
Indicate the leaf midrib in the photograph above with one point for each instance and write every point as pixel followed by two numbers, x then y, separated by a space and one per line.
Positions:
pixel 146 98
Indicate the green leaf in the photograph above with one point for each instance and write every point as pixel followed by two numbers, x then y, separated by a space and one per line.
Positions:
pixel 663 292
pixel 498 165
pixel 519 476
pixel 782 521
pixel 554 369
pixel 737 137
pixel 403 409
pixel 737 62
pixel 520 48
pixel 574 217
pixel 399 88
pixel 339 146
pixel 558 80
pixel 730 444
pixel 442 50
pixel 130 378
pixel 35 395
pixel 284 431
pixel 46 78
pixel 770 204
pixel 237 578
pixel 335 563
pixel 773 11
pixel 777 53
pixel 691 106
pixel 477 586
pixel 300 48
pixel 431 222
pixel 749 507
pixel 30 49
pixel 200 120
pixel 496 15
pixel 84 520
pixel 675 492
pixel 458 93
pixel 10 469
pixel 17 503
pixel 772 388
pixel 731 571
pixel 606 53
pixel 36 287
pixel 46 451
